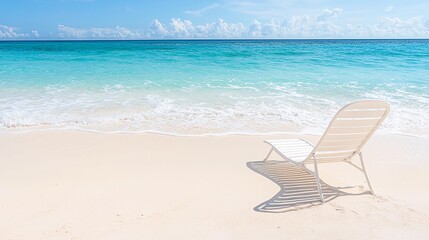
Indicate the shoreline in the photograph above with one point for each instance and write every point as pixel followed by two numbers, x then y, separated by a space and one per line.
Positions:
pixel 161 133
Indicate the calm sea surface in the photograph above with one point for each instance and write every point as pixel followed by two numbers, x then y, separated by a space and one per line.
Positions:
pixel 210 87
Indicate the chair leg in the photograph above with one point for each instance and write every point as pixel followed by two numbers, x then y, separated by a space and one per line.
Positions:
pixel 319 187
pixel 366 175
pixel 269 153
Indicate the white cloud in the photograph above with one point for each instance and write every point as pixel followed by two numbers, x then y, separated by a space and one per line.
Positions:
pixel 299 26
pixel 157 29
pixel 303 26
pixel 178 28
pixel 35 33
pixel 295 27
pixel 7 32
pixel 97 33
pixel 222 29
pixel 329 13
pixel 181 29
pixel 393 27
pixel 388 8
pixel 255 29
pixel 200 12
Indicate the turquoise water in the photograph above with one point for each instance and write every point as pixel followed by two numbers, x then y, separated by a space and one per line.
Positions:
pixel 210 87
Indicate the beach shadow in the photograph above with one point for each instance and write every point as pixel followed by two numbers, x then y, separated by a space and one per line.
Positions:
pixel 298 187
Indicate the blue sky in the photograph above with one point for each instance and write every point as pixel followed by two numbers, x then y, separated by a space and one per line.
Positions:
pixel 132 19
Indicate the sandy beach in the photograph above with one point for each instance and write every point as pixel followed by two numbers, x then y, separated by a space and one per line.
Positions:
pixel 80 185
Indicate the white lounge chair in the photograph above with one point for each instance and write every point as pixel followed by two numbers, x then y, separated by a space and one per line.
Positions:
pixel 344 138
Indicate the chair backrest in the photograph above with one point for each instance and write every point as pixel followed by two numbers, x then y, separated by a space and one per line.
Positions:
pixel 349 130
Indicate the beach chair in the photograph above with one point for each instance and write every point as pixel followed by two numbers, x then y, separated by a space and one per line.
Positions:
pixel 344 138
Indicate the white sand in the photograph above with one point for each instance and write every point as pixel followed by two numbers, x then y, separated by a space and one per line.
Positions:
pixel 77 185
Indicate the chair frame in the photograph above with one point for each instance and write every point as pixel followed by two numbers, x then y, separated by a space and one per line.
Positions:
pixel 312 157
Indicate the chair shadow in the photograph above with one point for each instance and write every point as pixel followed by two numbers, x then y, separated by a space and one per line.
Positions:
pixel 298 187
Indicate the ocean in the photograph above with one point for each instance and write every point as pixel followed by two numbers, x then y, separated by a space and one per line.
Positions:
pixel 204 87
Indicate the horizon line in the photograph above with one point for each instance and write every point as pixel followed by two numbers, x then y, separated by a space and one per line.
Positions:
pixel 198 39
